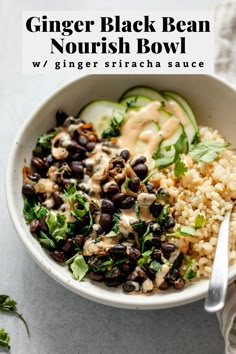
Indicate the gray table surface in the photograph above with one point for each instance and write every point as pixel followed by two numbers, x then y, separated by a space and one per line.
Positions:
pixel 60 321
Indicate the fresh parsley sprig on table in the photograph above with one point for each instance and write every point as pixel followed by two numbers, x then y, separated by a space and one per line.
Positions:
pixel 9 305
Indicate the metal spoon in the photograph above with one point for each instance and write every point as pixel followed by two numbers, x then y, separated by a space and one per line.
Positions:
pixel 219 276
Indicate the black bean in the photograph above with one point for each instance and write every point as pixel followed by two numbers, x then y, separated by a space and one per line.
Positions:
pixel 59 256
pixel 150 188
pixel 150 272
pixel 127 203
pixel 172 275
pixel 118 198
pixel 114 274
pixel 77 156
pixel 134 184
pixel 141 170
pixel 164 285
pixel 79 240
pixel 178 261
pixel 34 177
pixel 82 140
pixel 141 274
pixel 179 284
pixel 118 250
pixel 57 199
pixel 156 209
pixel 129 286
pixel 96 276
pixel 77 169
pixel 105 221
pixel 37 164
pixel 61 117
pixel 168 247
pixel 42 223
pixel 169 223
pixel 157 254
pixel 90 146
pixel 163 192
pixel 125 267
pixel 134 254
pixel 28 190
pixel 107 206
pixel 75 147
pixel 155 241
pixel 138 160
pixel 125 154
pixel 49 160
pixel 68 246
pixel 155 228
pixel 113 282
pixel 34 225
pixel 113 189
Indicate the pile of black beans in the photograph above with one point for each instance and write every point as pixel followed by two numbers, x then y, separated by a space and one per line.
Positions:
pixel 122 261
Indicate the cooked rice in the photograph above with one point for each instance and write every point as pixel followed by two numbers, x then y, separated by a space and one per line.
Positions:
pixel 208 189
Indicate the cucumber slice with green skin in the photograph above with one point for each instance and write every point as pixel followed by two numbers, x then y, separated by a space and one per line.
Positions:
pixel 184 104
pixel 190 128
pixel 100 113
pixel 143 91
pixel 134 102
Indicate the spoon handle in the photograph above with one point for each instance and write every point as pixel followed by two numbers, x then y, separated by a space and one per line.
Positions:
pixel 219 276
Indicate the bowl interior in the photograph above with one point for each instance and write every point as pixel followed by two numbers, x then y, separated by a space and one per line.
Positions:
pixel 214 104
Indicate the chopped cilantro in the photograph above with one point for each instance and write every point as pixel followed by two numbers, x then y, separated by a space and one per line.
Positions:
pixel 32 210
pixel 199 221
pixel 146 257
pixel 115 125
pixel 57 226
pixel 79 267
pixel 4 338
pixel 156 266
pixel 208 150
pixel 164 214
pixel 190 273
pixel 46 241
pixel 180 168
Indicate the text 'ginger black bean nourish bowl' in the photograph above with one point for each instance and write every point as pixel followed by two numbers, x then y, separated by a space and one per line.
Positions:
pixel 131 193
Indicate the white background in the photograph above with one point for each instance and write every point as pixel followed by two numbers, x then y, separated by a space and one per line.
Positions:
pixel 62 322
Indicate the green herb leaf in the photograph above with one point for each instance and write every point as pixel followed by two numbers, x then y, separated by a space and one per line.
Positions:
pixel 45 140
pixel 190 273
pixel 115 125
pixel 147 236
pixel 156 266
pixel 32 210
pixel 181 145
pixel 208 150
pixel 164 214
pixel 184 231
pixel 127 183
pixel 180 168
pixel 79 267
pixel 45 241
pixel 116 226
pixel 145 180
pixel 4 338
pixel 146 257
pixel 78 202
pixel 9 305
pixel 196 138
pixel 199 221
pixel 57 226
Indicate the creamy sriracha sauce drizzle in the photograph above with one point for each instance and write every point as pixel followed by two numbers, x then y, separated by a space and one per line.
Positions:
pixel 132 130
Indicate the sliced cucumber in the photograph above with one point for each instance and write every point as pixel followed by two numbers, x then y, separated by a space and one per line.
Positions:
pixel 184 104
pixel 134 102
pixel 191 129
pixel 100 113
pixel 143 91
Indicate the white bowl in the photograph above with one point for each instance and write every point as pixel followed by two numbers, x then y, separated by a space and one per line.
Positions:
pixel 212 100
